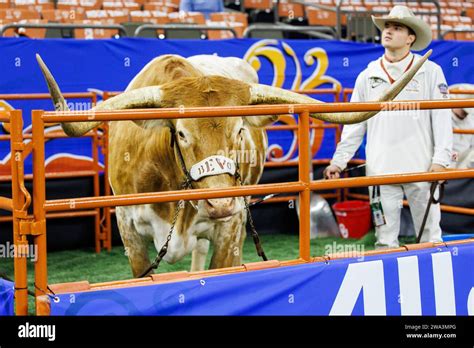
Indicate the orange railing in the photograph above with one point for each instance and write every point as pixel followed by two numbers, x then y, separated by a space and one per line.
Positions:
pixel 101 228
pixel 36 226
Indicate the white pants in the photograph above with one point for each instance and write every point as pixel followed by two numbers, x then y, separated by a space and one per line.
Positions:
pixel 391 197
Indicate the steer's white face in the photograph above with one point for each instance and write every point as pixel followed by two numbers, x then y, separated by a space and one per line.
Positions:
pixel 213 146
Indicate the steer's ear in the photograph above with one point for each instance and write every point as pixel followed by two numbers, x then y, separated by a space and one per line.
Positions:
pixel 260 121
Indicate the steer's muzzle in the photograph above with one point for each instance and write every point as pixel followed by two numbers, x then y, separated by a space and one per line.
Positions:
pixel 219 208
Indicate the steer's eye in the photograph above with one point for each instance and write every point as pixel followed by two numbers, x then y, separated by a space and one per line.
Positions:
pixel 181 135
pixel 240 135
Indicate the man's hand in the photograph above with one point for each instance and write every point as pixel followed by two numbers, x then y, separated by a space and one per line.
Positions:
pixel 438 168
pixel 460 113
pixel 332 172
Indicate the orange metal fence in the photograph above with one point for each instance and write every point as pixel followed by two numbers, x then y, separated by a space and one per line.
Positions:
pixel 36 226
pixel 100 220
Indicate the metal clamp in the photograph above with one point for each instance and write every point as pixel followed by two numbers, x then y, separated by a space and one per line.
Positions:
pixel 33 228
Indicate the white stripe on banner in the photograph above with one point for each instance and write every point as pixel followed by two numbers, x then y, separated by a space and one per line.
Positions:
pixel 409 278
pixel 443 283
pixel 368 276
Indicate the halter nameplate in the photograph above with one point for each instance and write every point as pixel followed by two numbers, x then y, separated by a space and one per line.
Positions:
pixel 212 165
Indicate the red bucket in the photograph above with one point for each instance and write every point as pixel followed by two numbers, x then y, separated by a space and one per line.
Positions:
pixel 353 217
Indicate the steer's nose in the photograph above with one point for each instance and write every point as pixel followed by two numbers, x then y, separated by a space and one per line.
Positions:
pixel 220 208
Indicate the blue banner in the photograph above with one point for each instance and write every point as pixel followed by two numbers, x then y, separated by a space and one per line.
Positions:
pixel 435 281
pixel 7 296
pixel 110 64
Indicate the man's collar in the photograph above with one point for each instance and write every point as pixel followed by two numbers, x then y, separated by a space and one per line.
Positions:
pixel 375 69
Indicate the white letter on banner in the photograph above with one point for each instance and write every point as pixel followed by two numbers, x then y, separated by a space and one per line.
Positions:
pixel 470 302
pixel 443 283
pixel 409 278
pixel 367 276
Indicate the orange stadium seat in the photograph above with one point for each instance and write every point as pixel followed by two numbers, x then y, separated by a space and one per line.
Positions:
pixel 354 9
pixel 449 12
pixel 444 27
pixel 428 7
pixel 187 17
pixel 108 16
pixel 90 33
pixel 35 6
pixel 230 17
pixel 154 6
pixel 322 2
pixel 166 3
pixel 125 6
pixel 290 10
pixel 456 5
pixel 237 20
pixel 15 15
pixel 258 4
pixel 62 16
pixel 470 13
pixel 80 6
pixel 4 4
pixel 225 34
pixel 38 7
pixel 318 16
pixel 153 17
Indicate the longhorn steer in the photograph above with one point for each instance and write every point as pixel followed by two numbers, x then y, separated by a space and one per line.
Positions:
pixel 144 159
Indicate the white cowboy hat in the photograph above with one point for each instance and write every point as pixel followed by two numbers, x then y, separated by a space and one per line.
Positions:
pixel 463 87
pixel 403 15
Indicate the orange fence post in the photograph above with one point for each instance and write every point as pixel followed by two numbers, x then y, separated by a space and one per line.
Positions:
pixel 19 212
pixel 39 196
pixel 99 237
pixel 108 221
pixel 106 218
pixel 304 177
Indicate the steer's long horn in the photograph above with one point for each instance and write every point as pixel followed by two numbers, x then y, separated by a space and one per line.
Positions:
pixel 71 129
pixel 262 94
pixel 145 97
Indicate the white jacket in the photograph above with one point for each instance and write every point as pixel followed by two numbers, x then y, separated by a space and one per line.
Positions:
pixel 463 144
pixel 400 141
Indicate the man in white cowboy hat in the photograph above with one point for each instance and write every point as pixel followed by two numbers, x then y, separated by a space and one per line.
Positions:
pixel 400 141
pixel 463 118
